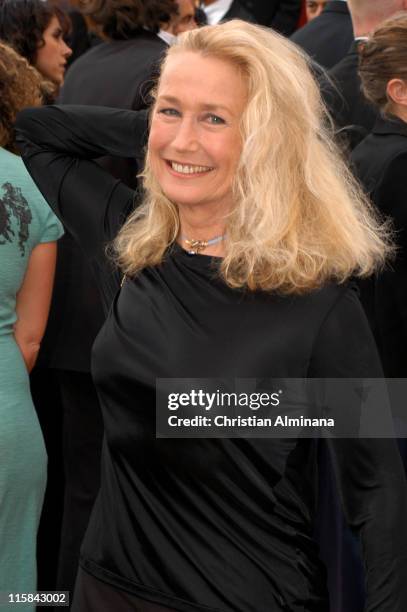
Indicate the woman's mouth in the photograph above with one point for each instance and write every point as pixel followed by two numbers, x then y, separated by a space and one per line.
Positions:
pixel 188 169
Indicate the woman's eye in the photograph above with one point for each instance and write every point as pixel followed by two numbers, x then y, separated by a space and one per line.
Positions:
pixel 215 120
pixel 57 34
pixel 169 112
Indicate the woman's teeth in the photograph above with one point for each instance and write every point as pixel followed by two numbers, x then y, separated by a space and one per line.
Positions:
pixel 189 169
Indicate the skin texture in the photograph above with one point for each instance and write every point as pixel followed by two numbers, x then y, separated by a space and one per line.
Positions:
pixel 368 14
pixel 53 54
pixel 33 301
pixel 397 92
pixel 314 8
pixel 196 123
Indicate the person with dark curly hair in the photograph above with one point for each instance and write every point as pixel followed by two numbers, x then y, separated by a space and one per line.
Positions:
pixel 28 234
pixel 36 30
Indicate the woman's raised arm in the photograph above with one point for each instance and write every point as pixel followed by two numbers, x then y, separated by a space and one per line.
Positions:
pixel 58 144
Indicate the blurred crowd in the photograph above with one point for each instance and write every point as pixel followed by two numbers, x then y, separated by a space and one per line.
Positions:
pixel 107 53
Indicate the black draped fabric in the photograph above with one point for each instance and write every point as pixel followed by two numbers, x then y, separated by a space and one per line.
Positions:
pixel 93 595
pixel 211 524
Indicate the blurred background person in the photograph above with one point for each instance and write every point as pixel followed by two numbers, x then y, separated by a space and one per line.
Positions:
pixel 36 30
pixel 380 162
pixel 28 234
pixel 327 37
pixel 314 8
pixel 217 11
pixel 120 71
pixel 186 18
pixel 83 34
pixel 183 20
pixel 353 114
pixel 281 15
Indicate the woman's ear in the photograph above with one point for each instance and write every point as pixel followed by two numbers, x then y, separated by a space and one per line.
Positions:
pixel 397 91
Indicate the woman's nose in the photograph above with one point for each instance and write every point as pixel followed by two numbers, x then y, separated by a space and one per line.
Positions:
pixel 67 51
pixel 186 137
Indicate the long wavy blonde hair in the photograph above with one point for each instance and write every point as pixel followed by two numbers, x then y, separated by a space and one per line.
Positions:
pixel 300 219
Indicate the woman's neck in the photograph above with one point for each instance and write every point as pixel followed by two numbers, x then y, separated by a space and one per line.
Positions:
pixel 400 111
pixel 201 226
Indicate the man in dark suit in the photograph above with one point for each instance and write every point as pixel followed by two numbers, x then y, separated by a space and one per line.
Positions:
pixel 281 15
pixel 328 37
pixel 354 117
pixel 118 72
pixel 225 10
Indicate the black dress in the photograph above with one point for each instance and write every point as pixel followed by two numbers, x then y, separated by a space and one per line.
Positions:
pixel 210 524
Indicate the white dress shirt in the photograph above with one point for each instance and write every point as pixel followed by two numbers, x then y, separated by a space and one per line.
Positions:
pixel 167 37
pixel 216 11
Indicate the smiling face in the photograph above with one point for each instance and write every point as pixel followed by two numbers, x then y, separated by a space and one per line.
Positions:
pixel 195 142
pixel 53 54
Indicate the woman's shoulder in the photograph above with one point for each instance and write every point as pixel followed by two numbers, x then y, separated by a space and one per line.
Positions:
pixel 13 172
pixel 308 313
pixel 343 343
pixel 327 297
pixel 22 201
pixel 334 305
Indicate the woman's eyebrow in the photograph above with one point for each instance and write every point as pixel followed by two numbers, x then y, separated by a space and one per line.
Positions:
pixel 205 106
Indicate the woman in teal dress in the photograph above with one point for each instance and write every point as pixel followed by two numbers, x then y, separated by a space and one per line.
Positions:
pixel 28 234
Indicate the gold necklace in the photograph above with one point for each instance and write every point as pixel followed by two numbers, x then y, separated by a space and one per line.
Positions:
pixel 196 246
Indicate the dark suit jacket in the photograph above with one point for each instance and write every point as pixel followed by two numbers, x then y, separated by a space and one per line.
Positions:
pixel 281 15
pixel 354 116
pixel 80 39
pixel 327 38
pixel 380 162
pixel 238 11
pixel 117 74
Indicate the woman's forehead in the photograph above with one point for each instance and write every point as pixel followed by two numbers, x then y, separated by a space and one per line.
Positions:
pixel 191 73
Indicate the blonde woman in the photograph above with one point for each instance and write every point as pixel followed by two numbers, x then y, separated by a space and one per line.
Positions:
pixel 235 265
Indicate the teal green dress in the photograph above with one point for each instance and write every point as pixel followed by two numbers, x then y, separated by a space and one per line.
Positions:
pixel 25 221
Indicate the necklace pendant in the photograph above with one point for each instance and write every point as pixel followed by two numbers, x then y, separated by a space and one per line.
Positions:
pixel 196 246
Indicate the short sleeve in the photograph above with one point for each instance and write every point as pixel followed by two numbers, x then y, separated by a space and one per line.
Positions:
pixel 52 227
pixel 48 227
